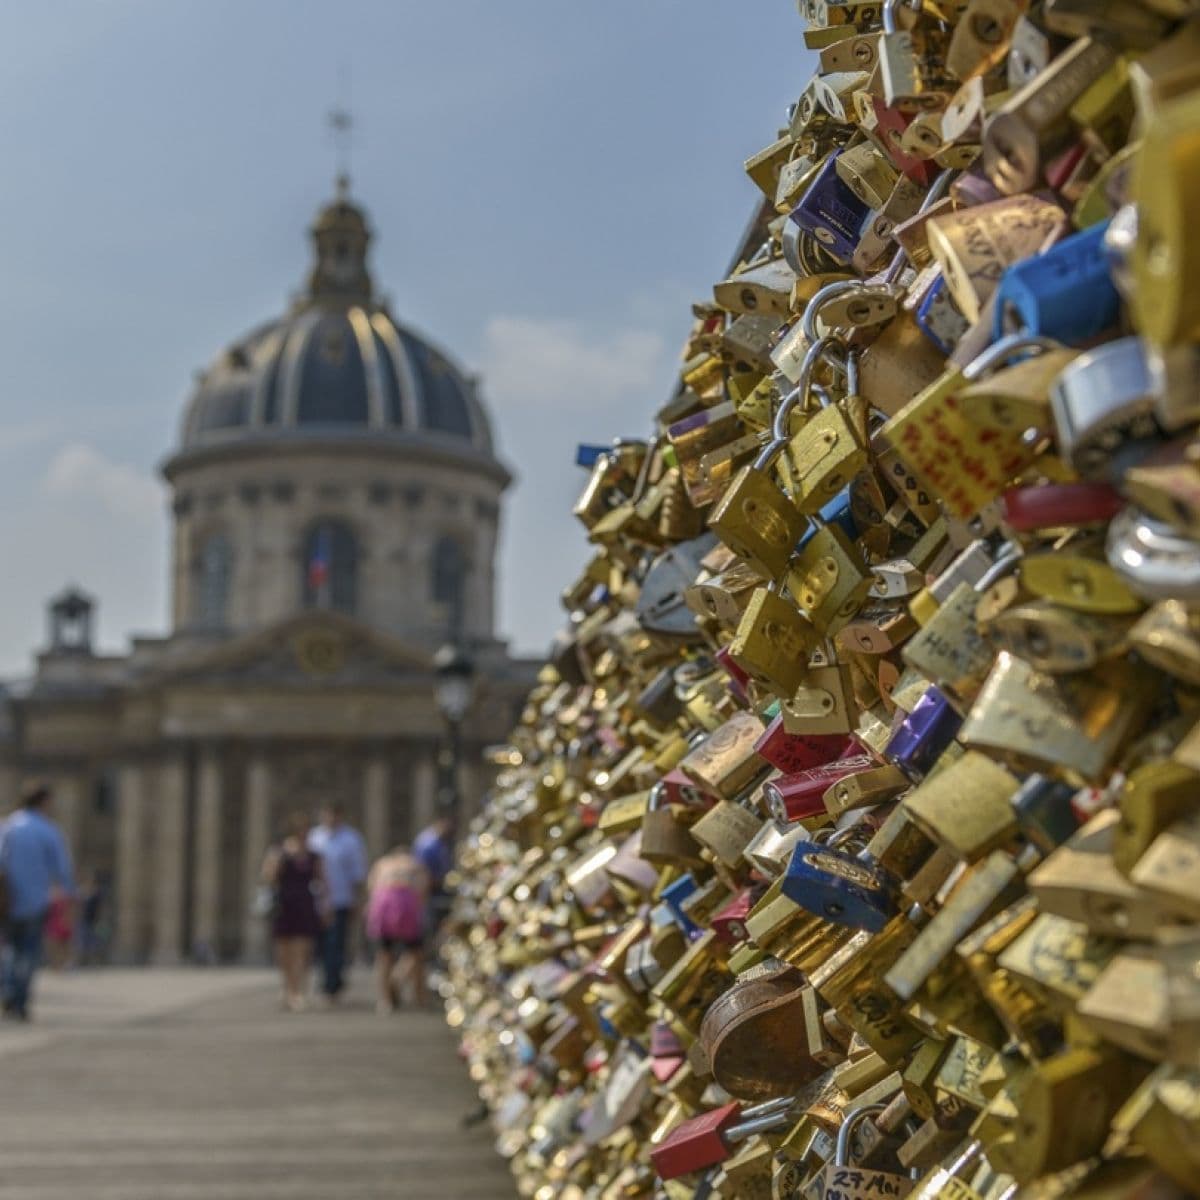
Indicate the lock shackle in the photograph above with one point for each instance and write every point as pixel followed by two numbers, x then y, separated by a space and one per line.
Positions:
pixel 852 364
pixel 764 1124
pixel 643 475
pixel 937 189
pixel 766 1107
pixel 1004 563
pixel 779 433
pixel 831 291
pixel 998 353
pixel 841 1153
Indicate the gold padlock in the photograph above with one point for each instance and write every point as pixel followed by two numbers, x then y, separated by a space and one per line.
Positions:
pixel 829 580
pixel 773 641
pixel 825 455
pixel 758 522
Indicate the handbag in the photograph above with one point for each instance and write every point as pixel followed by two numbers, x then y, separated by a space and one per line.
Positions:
pixel 265 902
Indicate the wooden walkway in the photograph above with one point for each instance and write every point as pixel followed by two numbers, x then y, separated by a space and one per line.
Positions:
pixel 189 1085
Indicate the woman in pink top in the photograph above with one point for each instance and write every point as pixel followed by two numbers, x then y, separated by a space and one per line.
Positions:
pixel 397 887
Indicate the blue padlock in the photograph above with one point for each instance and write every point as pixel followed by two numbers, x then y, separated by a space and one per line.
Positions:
pixel 586 455
pixel 1066 294
pixel 673 896
pixel 831 212
pixel 939 320
pixel 845 889
pixel 836 512
pixel 1044 813
pixel 922 736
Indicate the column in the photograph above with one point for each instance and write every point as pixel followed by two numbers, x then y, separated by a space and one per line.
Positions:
pixel 170 860
pixel 255 930
pixel 206 875
pixel 68 810
pixel 377 788
pixel 424 790
pixel 132 864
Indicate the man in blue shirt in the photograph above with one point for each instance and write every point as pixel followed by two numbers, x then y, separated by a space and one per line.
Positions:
pixel 434 849
pixel 36 866
pixel 344 872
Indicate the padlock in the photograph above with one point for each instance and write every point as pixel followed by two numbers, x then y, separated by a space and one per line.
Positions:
pixel 829 212
pixel 1154 561
pixel 829 580
pixel 982 36
pixel 1104 409
pixel 1034 124
pixel 800 795
pixel 1066 293
pixel 725 762
pixel 773 641
pixel 843 888
pixel 757 522
pixel 842 1179
pixel 665 835
pixel 977 245
pixel 1034 720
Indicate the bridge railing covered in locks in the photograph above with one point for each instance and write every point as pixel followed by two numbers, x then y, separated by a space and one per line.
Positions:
pixel 849 845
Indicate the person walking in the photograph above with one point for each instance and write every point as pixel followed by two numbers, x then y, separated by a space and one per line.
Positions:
pixel 36 868
pixel 396 892
pixel 433 848
pixel 344 863
pixel 294 873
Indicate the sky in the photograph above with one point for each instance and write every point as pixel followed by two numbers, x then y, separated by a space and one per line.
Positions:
pixel 552 183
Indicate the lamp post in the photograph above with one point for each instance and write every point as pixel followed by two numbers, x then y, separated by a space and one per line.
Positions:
pixel 455 685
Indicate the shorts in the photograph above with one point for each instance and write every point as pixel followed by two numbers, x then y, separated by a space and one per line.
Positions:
pixel 395 945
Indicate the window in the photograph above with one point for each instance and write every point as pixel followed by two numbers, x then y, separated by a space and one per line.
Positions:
pixel 215 573
pixel 329 567
pixel 449 577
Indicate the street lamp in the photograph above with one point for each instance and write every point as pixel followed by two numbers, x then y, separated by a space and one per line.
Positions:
pixel 455 686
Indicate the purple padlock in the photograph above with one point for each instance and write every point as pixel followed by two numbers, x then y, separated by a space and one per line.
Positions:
pixel 923 734
pixel 831 212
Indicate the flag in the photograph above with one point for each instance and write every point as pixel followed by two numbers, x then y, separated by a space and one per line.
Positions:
pixel 318 562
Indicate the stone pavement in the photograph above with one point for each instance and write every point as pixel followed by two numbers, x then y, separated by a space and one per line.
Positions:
pixel 190 1085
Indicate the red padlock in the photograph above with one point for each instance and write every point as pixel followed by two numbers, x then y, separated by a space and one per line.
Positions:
pixel 891 124
pixel 802 795
pixel 791 752
pixel 1050 505
pixel 738 679
pixel 695 1144
pixel 729 921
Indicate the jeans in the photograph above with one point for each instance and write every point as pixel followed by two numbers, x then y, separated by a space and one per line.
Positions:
pixel 333 951
pixel 22 956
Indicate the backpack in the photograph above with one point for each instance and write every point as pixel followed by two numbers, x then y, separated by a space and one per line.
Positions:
pixel 395 913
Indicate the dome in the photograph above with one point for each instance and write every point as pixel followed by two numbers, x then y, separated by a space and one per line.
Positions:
pixel 337 365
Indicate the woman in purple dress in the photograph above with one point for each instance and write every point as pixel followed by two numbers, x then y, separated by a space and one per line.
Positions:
pixel 294 873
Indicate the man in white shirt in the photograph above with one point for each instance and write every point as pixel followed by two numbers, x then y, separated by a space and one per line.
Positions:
pixel 344 867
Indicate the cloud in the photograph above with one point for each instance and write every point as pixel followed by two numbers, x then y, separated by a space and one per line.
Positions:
pixel 560 365
pixel 26 434
pixel 80 472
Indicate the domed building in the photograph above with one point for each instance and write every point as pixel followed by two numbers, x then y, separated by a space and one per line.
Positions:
pixel 336 502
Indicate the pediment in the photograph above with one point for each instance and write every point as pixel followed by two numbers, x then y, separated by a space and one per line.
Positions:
pixel 318 649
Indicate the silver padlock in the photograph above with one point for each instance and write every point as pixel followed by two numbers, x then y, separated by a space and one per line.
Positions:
pixel 839 1177
pixel 1105 411
pixel 1152 558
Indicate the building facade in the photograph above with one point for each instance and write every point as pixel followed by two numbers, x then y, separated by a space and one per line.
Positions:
pixel 335 500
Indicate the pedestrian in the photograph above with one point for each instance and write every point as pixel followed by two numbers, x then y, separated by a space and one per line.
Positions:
pixel 91 913
pixel 36 868
pixel 60 932
pixel 344 862
pixel 294 873
pixel 434 850
pixel 397 888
